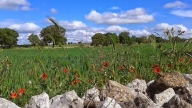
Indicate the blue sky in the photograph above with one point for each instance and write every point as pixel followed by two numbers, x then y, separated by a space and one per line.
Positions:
pixel 83 18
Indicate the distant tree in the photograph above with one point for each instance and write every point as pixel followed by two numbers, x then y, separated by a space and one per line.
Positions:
pixel 124 38
pixel 8 37
pixel 113 37
pixel 51 34
pixel 133 38
pixel 98 39
pixel 34 39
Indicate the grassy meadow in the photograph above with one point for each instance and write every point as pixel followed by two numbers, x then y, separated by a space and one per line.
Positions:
pixel 58 70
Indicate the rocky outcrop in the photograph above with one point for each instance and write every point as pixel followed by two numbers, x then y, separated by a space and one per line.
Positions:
pixel 169 90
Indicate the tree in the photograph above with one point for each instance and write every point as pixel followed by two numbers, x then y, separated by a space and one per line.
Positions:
pixel 51 34
pixel 98 39
pixel 113 37
pixel 8 37
pixel 124 38
pixel 34 39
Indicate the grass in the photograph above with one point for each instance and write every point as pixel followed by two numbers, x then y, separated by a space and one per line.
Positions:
pixel 81 68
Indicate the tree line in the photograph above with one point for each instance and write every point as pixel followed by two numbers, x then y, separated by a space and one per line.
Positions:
pixel 54 36
pixel 124 38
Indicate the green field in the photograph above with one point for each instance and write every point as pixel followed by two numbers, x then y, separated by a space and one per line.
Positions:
pixel 24 67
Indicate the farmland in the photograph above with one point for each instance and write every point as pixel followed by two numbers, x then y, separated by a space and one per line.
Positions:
pixel 57 70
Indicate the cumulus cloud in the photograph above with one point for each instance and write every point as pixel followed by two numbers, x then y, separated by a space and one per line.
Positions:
pixel 115 28
pixel 53 10
pixel 138 15
pixel 176 4
pixel 25 28
pixel 182 13
pixel 164 26
pixel 15 5
pixel 72 25
pixel 140 32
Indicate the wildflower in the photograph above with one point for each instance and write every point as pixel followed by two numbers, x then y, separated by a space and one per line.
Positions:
pixel 155 66
pixel 76 81
pixel 44 76
pixel 181 59
pixel 102 68
pixel 105 64
pixel 89 81
pixel 65 70
pixel 21 91
pixel 169 65
pixel 14 95
pixel 131 69
pixel 157 70
pixel 121 67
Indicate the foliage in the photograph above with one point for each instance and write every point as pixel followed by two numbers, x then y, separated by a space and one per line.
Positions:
pixel 51 34
pixel 124 38
pixel 99 39
pixel 8 37
pixel 34 39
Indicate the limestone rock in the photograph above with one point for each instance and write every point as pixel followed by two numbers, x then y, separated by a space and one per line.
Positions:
pixel 7 104
pixel 188 77
pixel 39 101
pixel 67 100
pixel 177 102
pixel 137 85
pixel 164 97
pixel 117 91
pixel 109 103
pixel 92 94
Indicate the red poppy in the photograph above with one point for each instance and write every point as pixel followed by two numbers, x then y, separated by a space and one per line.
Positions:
pixel 14 95
pixel 181 59
pixel 121 67
pixel 89 81
pixel 102 68
pixel 76 81
pixel 65 70
pixel 21 91
pixel 157 70
pixel 169 65
pixel 138 76
pixel 105 64
pixel 131 69
pixel 155 66
pixel 44 76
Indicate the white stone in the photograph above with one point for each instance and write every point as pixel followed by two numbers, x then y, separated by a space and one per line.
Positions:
pixel 188 77
pixel 109 103
pixel 164 97
pixel 39 101
pixel 54 102
pixel 68 100
pixel 7 104
pixel 91 94
pixel 137 85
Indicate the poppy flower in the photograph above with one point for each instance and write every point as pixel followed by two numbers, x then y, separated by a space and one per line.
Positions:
pixel 65 70
pixel 121 67
pixel 181 59
pixel 169 65
pixel 44 76
pixel 131 69
pixel 157 70
pixel 76 81
pixel 21 91
pixel 155 66
pixel 14 95
pixel 105 64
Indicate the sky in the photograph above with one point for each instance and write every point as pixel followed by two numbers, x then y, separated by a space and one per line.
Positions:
pixel 84 18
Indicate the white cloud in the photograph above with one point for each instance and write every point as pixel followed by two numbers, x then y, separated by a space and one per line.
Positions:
pixel 116 29
pixel 25 28
pixel 53 10
pixel 114 8
pixel 182 13
pixel 176 4
pixel 15 5
pixel 72 25
pixel 139 32
pixel 138 15
pixel 164 26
